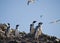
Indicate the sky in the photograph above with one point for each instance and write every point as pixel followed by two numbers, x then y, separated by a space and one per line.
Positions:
pixel 18 12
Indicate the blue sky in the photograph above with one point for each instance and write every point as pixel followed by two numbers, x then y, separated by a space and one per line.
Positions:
pixel 18 12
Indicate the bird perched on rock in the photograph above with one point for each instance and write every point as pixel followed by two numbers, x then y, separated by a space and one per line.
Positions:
pixel 38 30
pixel 7 30
pixel 32 30
pixel 16 31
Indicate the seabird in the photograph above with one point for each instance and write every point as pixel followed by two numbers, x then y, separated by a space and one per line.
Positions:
pixel 29 1
pixel 55 21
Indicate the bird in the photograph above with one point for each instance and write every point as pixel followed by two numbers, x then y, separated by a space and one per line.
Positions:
pixel 29 1
pixel 34 21
pixel 41 16
pixel 17 26
pixel 52 22
pixel 16 31
pixel 56 21
pixel 38 30
pixel 7 30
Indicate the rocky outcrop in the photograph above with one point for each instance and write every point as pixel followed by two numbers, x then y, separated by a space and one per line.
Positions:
pixel 27 38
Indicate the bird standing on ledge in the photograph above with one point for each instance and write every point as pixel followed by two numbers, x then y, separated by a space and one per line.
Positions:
pixel 7 30
pixel 16 31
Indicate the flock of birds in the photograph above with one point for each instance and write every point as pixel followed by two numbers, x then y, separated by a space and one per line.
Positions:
pixel 32 1
pixel 55 21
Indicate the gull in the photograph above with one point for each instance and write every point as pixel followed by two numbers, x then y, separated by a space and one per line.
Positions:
pixel 41 16
pixel 55 21
pixel 58 20
pixel 30 1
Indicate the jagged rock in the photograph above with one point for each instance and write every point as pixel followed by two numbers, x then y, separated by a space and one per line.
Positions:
pixel 26 38
pixel 12 42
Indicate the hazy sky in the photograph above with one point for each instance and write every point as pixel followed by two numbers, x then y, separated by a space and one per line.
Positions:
pixel 18 12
